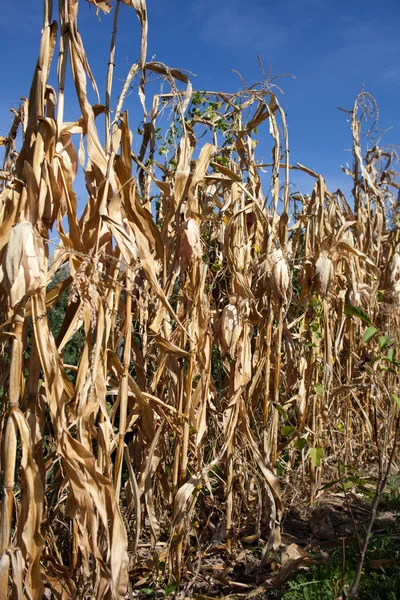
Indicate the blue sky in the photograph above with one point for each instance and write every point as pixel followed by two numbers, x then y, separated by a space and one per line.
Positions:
pixel 330 46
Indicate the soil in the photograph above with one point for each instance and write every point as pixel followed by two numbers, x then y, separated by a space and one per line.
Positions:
pixel 308 535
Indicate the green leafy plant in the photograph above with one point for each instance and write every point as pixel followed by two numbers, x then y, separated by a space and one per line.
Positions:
pixel 375 373
pixel 334 579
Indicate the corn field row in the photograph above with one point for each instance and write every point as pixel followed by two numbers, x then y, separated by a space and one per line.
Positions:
pixel 218 371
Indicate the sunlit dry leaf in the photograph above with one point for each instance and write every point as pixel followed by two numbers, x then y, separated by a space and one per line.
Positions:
pixel 104 6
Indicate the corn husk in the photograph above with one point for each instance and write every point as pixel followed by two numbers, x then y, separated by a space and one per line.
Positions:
pixel 191 243
pixel 23 263
pixel 280 272
pixel 395 272
pixel 324 272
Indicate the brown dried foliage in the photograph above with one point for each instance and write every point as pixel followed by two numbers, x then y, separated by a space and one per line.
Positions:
pixel 210 320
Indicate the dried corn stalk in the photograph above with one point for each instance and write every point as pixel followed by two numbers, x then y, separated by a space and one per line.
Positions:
pixel 205 336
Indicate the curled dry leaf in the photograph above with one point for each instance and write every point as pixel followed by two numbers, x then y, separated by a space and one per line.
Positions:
pixel 181 498
pixel 67 154
pixel 106 7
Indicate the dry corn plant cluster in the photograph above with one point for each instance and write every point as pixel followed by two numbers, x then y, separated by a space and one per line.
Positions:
pixel 217 363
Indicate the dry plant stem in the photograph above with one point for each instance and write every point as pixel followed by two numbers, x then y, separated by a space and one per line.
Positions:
pixel 47 12
pixel 184 464
pixel 75 544
pixel 136 495
pixel 100 454
pixel 110 72
pixel 351 332
pixel 328 366
pixel 36 412
pixel 267 375
pixel 175 470
pixel 229 494
pixel 313 470
pixel 277 381
pixel 62 64
pixel 186 426
pixel 10 445
pixel 317 355
pixel 229 476
pixel 351 514
pixel 176 554
pixel 124 385
pixel 132 72
pixel 382 480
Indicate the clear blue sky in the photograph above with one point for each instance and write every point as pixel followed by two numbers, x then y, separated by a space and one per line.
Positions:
pixel 330 46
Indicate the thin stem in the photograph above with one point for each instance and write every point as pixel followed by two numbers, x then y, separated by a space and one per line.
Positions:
pixel 110 72
pixel 10 445
pixel 123 391
pixel 62 63
pixel 378 492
